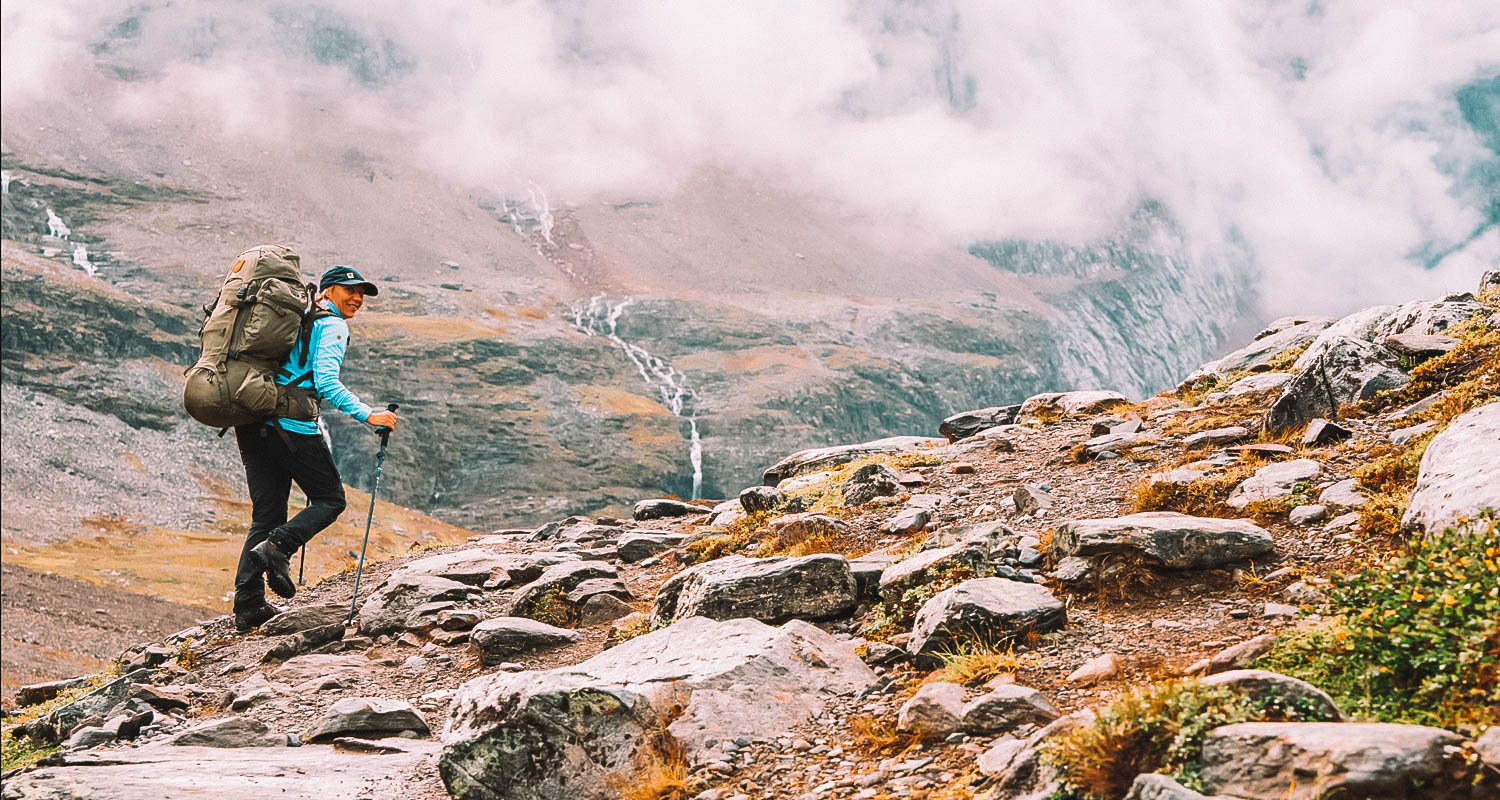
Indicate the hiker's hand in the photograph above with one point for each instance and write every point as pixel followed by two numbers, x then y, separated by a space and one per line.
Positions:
pixel 382 419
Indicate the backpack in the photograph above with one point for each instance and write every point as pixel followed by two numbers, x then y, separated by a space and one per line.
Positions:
pixel 247 333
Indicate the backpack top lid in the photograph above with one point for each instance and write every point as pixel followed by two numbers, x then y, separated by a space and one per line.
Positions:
pixel 266 261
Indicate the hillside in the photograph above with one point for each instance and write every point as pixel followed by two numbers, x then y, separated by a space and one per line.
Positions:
pixel 1276 580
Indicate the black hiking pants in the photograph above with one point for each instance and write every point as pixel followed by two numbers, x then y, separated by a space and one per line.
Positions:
pixel 273 460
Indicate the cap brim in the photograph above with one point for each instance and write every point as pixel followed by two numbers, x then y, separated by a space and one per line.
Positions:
pixel 370 289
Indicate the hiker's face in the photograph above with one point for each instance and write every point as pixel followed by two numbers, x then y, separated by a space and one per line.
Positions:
pixel 348 299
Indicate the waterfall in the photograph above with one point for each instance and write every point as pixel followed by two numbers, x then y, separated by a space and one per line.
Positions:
pixel 81 260
pixel 55 226
pixel 601 317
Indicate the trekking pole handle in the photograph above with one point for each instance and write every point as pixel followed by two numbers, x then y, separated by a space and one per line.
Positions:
pixel 385 433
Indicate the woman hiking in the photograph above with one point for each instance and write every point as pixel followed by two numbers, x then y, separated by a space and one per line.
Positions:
pixel 292 448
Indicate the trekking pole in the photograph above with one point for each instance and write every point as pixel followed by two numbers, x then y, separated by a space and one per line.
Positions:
pixel 385 439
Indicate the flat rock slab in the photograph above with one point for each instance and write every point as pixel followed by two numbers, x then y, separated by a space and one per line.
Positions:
pixel 1273 481
pixel 385 611
pixel 501 638
pixel 804 461
pixel 1306 760
pixel 968 423
pixel 767 589
pixel 323 666
pixel 368 717
pixel 567 732
pixel 301 618
pixel 1069 404
pixel 1460 472
pixel 472 567
pixel 157 771
pixel 661 509
pixel 1170 539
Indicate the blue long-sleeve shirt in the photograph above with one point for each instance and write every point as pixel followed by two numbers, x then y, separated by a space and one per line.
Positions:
pixel 328 341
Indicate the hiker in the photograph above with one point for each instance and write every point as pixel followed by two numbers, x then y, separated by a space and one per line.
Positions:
pixel 291 447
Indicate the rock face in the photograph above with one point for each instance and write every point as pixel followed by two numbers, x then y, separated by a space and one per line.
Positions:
pixel 1460 472
pixel 805 461
pixel 1170 539
pixel 385 611
pixel 501 638
pixel 968 423
pixel 1306 760
pixel 1347 370
pixel 565 733
pixel 993 610
pixel 1257 355
pixel 369 717
pixel 766 589
pixel 1273 481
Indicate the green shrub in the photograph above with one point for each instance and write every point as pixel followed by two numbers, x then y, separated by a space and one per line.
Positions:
pixel 1415 638
pixel 1157 728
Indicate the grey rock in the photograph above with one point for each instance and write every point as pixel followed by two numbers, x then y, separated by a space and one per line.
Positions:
pixel 35 693
pixel 907 574
pixel 546 598
pixel 936 710
pixel 1348 370
pixel 907 521
pixel 757 499
pixel 1419 347
pixel 96 702
pixel 766 589
pixel 968 423
pixel 323 667
pixel 570 732
pixel 1257 355
pixel 1179 476
pixel 386 609
pixel 1344 494
pixel 305 641
pixel 1460 472
pixel 594 587
pixel 1072 569
pixel 805 461
pixel 1069 404
pixel 1005 708
pixel 1306 515
pixel 89 736
pixel 1216 437
pixel 726 513
pixel 237 731
pixel 1264 684
pixel 992 610
pixel 1321 431
pixel 301 618
pixel 867 571
pixel 1274 481
pixel 1404 435
pixel 1100 446
pixel 1031 498
pixel 498 639
pixel 1153 786
pixel 659 509
pixel 869 482
pixel 1306 760
pixel 459 619
pixel 370 718
pixel 1255 384
pixel 472 567
pixel 1241 655
pixel 1487 747
pixel 601 608
pixel 1017 768
pixel 1173 540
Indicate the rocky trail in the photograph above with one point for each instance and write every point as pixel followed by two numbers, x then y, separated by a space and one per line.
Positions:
pixel 1031 605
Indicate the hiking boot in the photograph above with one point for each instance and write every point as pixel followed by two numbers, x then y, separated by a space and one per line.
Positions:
pixel 278 567
pixel 246 621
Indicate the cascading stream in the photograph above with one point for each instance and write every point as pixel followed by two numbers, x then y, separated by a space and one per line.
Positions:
pixel 601 317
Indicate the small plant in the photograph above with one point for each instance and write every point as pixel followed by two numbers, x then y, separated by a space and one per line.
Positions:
pixel 735 537
pixel 661 765
pixel 879 737
pixel 188 656
pixel 16 753
pixel 552 607
pixel 1204 497
pixel 973 663
pixel 638 626
pixel 1157 728
pixel 1414 638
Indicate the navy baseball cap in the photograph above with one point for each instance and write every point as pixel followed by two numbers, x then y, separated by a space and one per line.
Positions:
pixel 346 276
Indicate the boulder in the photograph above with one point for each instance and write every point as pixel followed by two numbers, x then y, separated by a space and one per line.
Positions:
pixel 1072 405
pixel 35 693
pixel 301 618
pixel 805 527
pixel 1274 481
pixel 633 547
pixel 1116 442
pixel 726 513
pixel 1308 760
pixel 1282 323
pixel 1312 703
pixel 572 732
pixel 1238 656
pixel 1030 498
pixel 867 571
pixel 758 499
pixel 1095 669
pixel 896 580
pixel 1347 371
pixel 385 611
pixel 968 423
pixel 236 731
pixel 1320 431
pixel 907 521
pixel 1018 769
pixel 529 567
pixel 305 641
pixel 1487 746
pixel 1173 540
pixel 767 589
pixel 869 482
pixel 1307 515
pixel 1005 708
pixel 988 610
pixel 547 598
pixel 1376 323
pixel 1418 347
pixel 1460 472
pixel 499 639
pixel 369 718
pixel 594 587
pixel 936 710
pixel 1253 384
pixel 1216 437
pixel 1154 786
pixel 804 461
pixel 472 567
pixel 661 509
pixel 1257 356
pixel 601 608
pixel 89 736
pixel 1344 494
pixel 96 702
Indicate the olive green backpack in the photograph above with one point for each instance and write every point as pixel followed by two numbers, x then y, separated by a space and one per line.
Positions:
pixel 248 331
